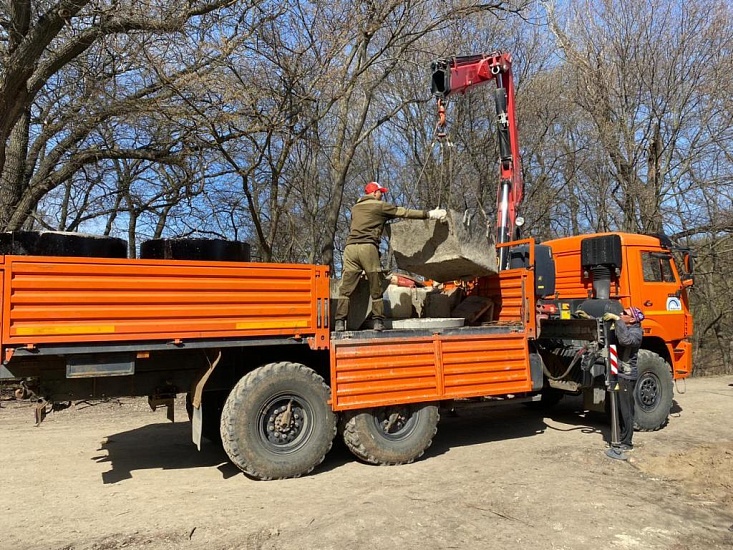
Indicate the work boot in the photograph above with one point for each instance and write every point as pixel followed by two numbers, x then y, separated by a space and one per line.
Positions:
pixel 616 454
pixel 340 325
pixel 378 325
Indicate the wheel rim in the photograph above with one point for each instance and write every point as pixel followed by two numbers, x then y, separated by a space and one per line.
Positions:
pixel 395 423
pixel 285 423
pixel 648 391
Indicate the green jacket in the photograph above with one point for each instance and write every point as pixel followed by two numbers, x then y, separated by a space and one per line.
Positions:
pixel 369 215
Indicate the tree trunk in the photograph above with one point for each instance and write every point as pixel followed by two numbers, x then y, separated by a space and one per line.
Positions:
pixel 13 176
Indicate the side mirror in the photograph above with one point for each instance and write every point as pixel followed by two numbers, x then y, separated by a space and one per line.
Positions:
pixel 688 263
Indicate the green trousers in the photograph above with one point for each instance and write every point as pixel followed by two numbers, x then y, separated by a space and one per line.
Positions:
pixel 358 258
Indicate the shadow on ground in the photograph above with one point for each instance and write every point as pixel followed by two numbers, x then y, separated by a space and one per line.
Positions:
pixel 162 446
pixel 511 421
pixel 168 446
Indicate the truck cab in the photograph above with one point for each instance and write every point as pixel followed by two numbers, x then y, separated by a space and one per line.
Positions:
pixel 608 272
pixel 648 278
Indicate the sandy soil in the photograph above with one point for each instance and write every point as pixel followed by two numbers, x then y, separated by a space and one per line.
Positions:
pixel 117 475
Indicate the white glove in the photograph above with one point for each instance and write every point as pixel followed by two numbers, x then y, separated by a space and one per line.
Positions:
pixel 438 214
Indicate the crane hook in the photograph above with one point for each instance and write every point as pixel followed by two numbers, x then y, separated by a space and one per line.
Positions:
pixel 440 129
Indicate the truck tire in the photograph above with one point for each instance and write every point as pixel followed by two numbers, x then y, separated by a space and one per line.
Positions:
pixel 391 435
pixel 277 422
pixel 61 243
pixel 215 250
pixel 653 393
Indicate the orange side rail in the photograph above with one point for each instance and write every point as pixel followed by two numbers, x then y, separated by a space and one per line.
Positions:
pixel 54 300
pixel 472 362
pixel 388 371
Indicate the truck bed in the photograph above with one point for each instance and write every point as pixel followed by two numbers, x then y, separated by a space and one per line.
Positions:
pixel 65 301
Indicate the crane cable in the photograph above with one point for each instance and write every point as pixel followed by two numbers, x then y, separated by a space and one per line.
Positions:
pixel 437 137
pixel 441 137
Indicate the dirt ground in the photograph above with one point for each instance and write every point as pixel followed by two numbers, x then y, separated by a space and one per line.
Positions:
pixel 112 475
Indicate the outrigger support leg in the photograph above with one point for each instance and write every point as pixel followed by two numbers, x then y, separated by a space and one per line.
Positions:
pixel 614 451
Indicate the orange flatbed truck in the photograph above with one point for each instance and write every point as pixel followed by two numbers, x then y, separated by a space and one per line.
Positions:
pixel 251 346
pixel 250 343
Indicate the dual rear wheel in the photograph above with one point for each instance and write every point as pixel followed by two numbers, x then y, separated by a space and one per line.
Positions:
pixel 277 423
pixel 391 435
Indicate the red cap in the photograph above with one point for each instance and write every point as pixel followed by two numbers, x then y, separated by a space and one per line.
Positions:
pixel 373 186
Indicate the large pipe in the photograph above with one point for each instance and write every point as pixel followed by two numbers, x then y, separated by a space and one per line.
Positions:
pixel 601 282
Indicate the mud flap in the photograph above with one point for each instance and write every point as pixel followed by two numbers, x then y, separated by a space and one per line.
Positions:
pixel 197 389
pixel 535 367
pixel 196 424
pixel 594 399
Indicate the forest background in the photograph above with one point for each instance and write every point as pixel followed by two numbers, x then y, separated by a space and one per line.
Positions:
pixel 262 120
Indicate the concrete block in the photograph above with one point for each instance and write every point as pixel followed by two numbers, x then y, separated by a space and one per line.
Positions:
pixel 437 304
pixel 419 299
pixel 403 303
pixel 455 296
pixel 398 302
pixel 473 309
pixel 443 251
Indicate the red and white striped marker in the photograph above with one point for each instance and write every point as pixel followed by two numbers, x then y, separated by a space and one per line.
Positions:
pixel 613 359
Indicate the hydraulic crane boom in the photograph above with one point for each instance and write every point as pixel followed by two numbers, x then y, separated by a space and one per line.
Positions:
pixel 455 75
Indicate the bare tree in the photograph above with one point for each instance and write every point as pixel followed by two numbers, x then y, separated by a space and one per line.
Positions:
pixel 643 72
pixel 70 66
pixel 383 39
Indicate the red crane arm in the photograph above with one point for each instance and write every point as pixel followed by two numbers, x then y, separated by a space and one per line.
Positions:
pixel 455 75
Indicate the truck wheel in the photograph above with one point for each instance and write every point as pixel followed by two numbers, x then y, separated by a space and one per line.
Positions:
pixel 277 422
pixel 653 393
pixel 61 243
pixel 195 249
pixel 391 435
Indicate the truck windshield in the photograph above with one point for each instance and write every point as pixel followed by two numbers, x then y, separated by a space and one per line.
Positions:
pixel 657 267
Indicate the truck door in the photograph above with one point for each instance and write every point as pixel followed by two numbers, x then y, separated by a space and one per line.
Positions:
pixel 657 290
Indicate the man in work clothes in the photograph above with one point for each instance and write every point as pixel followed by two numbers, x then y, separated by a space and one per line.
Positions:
pixel 628 335
pixel 368 217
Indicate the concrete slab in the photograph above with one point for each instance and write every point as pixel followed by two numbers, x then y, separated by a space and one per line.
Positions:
pixel 443 251
pixel 423 323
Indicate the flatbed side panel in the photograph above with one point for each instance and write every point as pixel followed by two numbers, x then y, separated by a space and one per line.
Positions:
pixel 66 300
pixel 387 371
pixel 383 371
pixel 486 366
pixel 512 292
